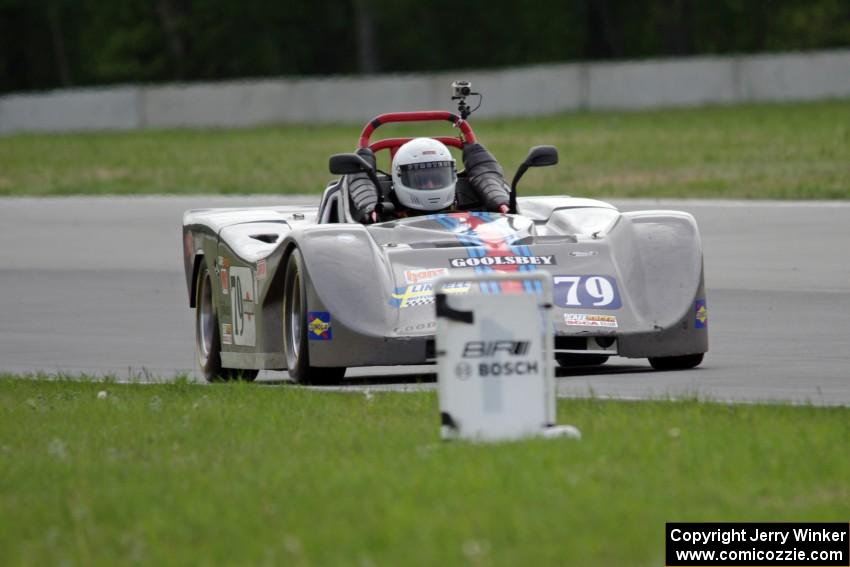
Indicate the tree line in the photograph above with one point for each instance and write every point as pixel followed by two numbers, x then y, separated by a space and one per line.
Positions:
pixel 60 43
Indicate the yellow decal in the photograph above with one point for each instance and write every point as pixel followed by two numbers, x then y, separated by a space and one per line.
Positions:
pixel 702 314
pixel 318 327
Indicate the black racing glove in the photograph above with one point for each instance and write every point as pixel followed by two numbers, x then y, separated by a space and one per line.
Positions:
pixel 486 177
pixel 362 191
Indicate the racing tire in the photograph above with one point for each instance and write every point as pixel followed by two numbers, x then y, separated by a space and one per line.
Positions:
pixel 295 329
pixel 572 360
pixel 676 362
pixel 208 339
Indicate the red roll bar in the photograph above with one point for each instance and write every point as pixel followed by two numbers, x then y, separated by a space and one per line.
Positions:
pixel 466 133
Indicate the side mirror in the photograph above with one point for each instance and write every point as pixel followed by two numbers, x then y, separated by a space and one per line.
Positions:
pixel 344 164
pixel 538 156
pixel 541 156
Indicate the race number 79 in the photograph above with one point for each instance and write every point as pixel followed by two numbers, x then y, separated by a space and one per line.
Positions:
pixel 592 292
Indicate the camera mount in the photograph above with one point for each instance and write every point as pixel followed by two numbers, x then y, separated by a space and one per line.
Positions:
pixel 462 90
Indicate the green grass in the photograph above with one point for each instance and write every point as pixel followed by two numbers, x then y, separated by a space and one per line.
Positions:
pixel 246 474
pixel 799 151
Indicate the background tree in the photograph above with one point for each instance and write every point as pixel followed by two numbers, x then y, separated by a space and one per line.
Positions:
pixel 54 43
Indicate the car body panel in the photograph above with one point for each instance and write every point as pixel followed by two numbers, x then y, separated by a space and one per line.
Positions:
pixel 634 277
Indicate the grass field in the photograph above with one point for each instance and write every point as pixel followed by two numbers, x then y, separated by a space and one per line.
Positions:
pixel 799 151
pixel 247 474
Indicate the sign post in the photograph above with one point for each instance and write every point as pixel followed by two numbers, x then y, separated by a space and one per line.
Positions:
pixel 495 358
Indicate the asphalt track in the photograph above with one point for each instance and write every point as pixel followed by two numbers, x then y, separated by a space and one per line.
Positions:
pixel 95 285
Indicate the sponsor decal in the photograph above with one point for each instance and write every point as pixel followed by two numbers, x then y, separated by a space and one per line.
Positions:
pixel 424 275
pixel 261 270
pixel 583 253
pixel 503 261
pixel 492 349
pixel 415 295
pixel 463 370
pixel 588 320
pixel 187 246
pixel 319 326
pixel 588 292
pixel 701 312
pixel 518 368
pixel 479 349
pixel 490 241
pixel 227 334
pixel 223 264
pixel 420 327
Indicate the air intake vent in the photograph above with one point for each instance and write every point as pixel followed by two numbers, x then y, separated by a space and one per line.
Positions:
pixel 570 343
pixel 437 244
pixel 267 238
pixel 548 239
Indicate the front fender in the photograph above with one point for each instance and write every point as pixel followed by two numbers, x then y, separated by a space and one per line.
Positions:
pixel 350 275
pixel 659 256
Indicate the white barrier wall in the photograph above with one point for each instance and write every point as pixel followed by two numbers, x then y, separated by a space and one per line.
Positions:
pixel 72 109
pixel 526 91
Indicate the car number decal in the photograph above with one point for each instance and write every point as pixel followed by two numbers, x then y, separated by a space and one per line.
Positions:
pixel 242 306
pixel 589 292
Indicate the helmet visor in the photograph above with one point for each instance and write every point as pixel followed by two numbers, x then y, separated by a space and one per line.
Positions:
pixel 428 175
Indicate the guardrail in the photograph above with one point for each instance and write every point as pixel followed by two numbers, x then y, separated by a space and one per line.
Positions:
pixel 526 91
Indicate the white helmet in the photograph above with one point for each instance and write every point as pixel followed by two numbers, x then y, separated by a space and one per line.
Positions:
pixel 424 175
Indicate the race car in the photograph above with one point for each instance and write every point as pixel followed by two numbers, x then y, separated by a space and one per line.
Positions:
pixel 311 291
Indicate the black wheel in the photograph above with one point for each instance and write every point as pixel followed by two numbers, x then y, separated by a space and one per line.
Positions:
pixel 570 360
pixel 676 362
pixel 295 329
pixel 207 338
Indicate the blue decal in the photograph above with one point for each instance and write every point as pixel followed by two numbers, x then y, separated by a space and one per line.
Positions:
pixel 587 292
pixel 319 326
pixel 701 314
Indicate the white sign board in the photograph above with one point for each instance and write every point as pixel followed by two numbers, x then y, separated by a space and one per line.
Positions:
pixel 495 358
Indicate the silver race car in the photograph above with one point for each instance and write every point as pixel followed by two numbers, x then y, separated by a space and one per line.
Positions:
pixel 309 290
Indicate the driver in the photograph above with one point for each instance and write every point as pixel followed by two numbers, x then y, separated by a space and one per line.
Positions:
pixel 424 181
pixel 424 177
